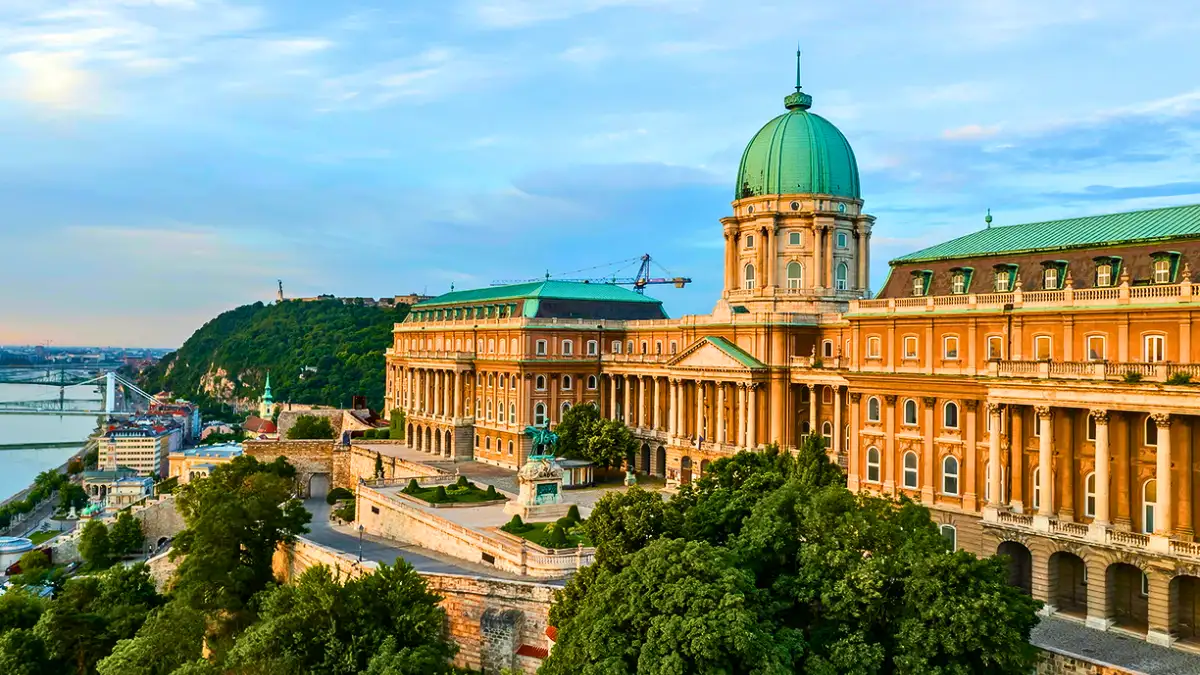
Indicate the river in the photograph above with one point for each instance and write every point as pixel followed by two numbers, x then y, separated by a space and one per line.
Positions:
pixel 19 467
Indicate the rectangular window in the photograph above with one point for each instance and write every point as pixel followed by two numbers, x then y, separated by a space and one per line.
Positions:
pixel 1050 279
pixel 1041 347
pixel 568 348
pixel 950 348
pixel 1154 348
pixel 842 240
pixel 749 241
pixel 658 346
pixel 873 347
pixel 1162 271
pixel 995 348
pixel 592 346
pixel 918 285
pixel 540 348
pixel 793 238
pixel 827 349
pixel 1096 348
pixel 1003 281
pixel 958 283
pixel 910 347
pixel 674 347
pixel 616 347
pixel 1104 275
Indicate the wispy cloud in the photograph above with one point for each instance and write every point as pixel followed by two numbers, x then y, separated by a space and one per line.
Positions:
pixel 520 13
pixel 970 132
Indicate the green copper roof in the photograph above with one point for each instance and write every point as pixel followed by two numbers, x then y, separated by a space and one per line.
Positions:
pixel 267 390
pixel 535 290
pixel 1052 235
pixel 796 153
pixel 735 352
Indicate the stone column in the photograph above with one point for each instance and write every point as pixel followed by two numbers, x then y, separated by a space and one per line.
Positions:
pixel 929 462
pixel 641 405
pixel 720 412
pixel 860 253
pixel 627 385
pixel 866 256
pixel 751 416
pixel 853 462
pixel 769 255
pixel 1016 456
pixel 837 422
pixel 457 395
pixel 829 246
pixel 971 482
pixel 1185 528
pixel 1102 468
pixel 730 257
pixel 818 259
pixel 993 477
pixel 1045 462
pixel 812 411
pixel 1165 524
pixel 888 470
pixel 673 408
pixel 425 395
pixel 612 397
pixel 699 409
pixel 742 414
pixel 657 421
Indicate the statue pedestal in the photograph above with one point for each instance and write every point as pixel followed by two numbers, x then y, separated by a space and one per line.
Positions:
pixel 540 496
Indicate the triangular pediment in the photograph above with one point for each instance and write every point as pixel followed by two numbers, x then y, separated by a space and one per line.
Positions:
pixel 717 353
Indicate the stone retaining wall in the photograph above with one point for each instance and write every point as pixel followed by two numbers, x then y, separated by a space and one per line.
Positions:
pixel 310 458
pixel 1054 663
pixel 361 465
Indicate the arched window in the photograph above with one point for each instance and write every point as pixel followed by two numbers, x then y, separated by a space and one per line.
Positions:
pixel 510 448
pixel 950 476
pixel 910 470
pixel 566 382
pixel 873 464
pixel 795 275
pixel 873 409
pixel 748 276
pixel 1154 348
pixel 841 275
pixel 539 414
pixel 487 443
pixel 616 346
pixel 1089 495
pixel 540 383
pixel 503 381
pixel 827 349
pixel 591 382
pixel 491 345
pixel 503 347
pixel 827 433
pixel 910 412
pixel 950 415
pixel 512 413
pixel 950 534
pixel 563 410
pixel 1151 431
pixel 1035 482
pixel 489 408
pixel 1149 505
pixel 512 348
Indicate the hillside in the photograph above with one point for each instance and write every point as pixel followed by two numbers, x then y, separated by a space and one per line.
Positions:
pixel 317 352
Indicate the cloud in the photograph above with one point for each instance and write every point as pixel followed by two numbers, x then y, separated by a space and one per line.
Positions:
pixel 296 46
pixel 588 54
pixel 53 80
pixel 970 132
pixel 505 14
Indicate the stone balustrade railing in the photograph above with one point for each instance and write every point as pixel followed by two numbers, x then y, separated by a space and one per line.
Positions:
pixel 1095 534
pixel 1092 370
pixel 1123 294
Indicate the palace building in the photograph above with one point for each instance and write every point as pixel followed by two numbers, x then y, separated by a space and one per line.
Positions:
pixel 1035 385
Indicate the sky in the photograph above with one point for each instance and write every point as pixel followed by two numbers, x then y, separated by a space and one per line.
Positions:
pixel 162 161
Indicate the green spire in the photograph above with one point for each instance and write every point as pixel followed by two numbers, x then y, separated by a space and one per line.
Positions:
pixel 267 390
pixel 988 219
pixel 798 100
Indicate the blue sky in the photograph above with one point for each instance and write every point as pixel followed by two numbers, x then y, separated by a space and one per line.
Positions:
pixel 164 160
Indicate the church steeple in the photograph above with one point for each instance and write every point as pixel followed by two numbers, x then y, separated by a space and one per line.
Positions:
pixel 266 407
pixel 267 398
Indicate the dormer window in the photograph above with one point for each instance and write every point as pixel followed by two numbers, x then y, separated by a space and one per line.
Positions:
pixel 1162 271
pixel 1050 278
pixel 918 284
pixel 922 282
pixel 1004 279
pixel 958 283
pixel 1104 275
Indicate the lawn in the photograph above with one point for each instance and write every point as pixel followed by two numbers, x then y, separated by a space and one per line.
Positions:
pixel 38 537
pixel 536 532
pixel 455 494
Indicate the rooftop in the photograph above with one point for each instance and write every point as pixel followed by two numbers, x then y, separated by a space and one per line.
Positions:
pixel 1055 235
pixel 559 290
pixel 217 451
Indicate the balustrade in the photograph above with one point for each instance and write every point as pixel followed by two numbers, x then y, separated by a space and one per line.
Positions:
pixel 1065 297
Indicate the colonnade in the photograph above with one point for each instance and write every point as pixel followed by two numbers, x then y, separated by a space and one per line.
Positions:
pixel 718 412
pixel 433 392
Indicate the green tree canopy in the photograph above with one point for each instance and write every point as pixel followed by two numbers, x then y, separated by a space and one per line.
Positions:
pixel 95 547
pixel 322 624
pixel 171 637
pixel 812 578
pixel 126 537
pixel 235 520
pixel 310 427
pixel 583 434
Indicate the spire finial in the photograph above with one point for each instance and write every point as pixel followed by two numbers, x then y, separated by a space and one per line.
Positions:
pixel 798 53
pixel 988 219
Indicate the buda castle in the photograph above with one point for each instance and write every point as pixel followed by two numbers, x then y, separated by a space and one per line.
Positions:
pixel 1034 385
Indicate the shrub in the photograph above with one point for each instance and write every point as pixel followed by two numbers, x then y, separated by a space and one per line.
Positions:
pixel 573 514
pixel 515 526
pixel 338 493
pixel 369 433
pixel 413 486
pixel 565 523
pixel 491 492
pixel 556 536
pixel 346 513
pixel 439 495
pixel 383 434
pixel 1180 378
pixel 462 482
pixel 1132 377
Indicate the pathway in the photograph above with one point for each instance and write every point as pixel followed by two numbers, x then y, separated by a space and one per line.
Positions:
pixel 1068 637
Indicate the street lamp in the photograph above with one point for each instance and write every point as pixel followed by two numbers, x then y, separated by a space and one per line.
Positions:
pixel 360 535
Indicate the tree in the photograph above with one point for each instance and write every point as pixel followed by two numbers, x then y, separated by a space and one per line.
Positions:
pixel 310 427
pixel 22 652
pixel 126 537
pixel 72 495
pixel 323 624
pixel 574 429
pixel 840 582
pixel 171 637
pixel 34 567
pixel 20 609
pixel 610 444
pixel 95 547
pixel 235 520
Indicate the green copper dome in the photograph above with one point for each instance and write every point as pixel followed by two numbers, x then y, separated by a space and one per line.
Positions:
pixel 798 152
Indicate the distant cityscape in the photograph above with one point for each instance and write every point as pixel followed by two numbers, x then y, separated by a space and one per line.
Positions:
pixel 35 355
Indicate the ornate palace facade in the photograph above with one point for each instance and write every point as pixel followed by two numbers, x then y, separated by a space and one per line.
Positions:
pixel 1030 383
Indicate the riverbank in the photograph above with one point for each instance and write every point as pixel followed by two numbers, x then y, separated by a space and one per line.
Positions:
pixel 38 446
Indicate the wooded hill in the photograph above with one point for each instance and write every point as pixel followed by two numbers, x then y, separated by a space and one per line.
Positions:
pixel 322 352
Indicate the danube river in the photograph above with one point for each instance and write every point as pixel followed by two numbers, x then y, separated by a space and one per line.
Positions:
pixel 18 467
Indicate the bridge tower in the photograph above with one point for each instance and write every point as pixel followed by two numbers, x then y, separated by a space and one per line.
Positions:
pixel 110 392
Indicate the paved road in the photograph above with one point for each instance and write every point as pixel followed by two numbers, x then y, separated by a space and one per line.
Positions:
pixel 381 550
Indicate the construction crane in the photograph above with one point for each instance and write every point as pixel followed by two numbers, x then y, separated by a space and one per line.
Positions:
pixel 640 279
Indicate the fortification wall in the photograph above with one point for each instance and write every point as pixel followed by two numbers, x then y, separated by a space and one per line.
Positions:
pixel 361 464
pixel 160 518
pixel 1053 663
pixel 311 458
